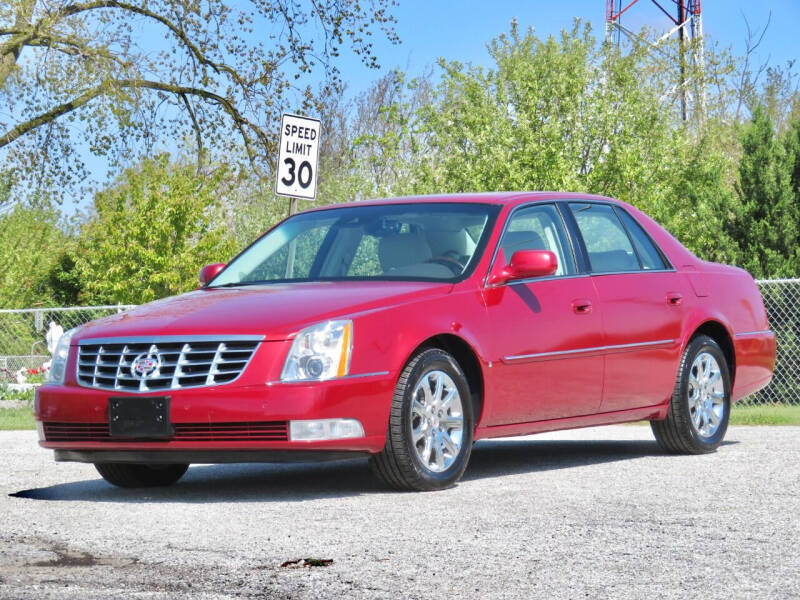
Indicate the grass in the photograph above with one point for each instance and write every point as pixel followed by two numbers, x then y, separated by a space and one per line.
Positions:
pixel 765 414
pixel 17 418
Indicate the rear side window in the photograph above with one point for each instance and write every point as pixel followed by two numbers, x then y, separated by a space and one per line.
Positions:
pixel 648 253
pixel 607 244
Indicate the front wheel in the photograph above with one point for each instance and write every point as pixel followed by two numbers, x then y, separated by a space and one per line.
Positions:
pixel 138 475
pixel 701 401
pixel 429 438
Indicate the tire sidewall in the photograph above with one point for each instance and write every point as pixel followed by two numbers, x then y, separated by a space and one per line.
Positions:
pixel 438 360
pixel 698 346
pixel 139 475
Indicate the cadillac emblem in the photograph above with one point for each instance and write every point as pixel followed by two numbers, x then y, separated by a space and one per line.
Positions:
pixel 145 364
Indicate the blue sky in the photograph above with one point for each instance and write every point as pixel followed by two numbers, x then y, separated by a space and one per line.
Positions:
pixel 461 30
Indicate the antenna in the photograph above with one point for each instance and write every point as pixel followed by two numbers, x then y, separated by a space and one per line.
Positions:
pixel 686 21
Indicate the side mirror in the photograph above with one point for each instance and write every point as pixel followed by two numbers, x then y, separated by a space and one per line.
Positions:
pixel 526 264
pixel 208 272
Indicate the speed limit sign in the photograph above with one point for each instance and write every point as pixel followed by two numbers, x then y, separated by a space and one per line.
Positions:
pixel 298 157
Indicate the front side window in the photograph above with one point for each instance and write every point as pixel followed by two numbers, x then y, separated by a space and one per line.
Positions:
pixel 538 227
pixel 425 241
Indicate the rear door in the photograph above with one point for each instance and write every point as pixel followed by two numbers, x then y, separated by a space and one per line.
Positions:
pixel 642 302
pixel 545 331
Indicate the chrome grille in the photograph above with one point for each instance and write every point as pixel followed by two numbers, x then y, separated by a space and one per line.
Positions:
pixel 176 362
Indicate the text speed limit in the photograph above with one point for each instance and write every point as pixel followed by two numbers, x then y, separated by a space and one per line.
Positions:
pixel 297 157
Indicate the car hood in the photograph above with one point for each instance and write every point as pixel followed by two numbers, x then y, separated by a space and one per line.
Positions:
pixel 276 311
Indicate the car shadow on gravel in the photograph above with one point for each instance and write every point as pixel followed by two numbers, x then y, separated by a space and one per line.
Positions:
pixel 298 482
pixel 496 458
pixel 230 483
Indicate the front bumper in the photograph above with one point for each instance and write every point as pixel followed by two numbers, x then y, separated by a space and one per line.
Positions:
pixel 210 414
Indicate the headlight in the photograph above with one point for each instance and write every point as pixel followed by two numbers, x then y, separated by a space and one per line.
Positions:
pixel 320 352
pixel 60 355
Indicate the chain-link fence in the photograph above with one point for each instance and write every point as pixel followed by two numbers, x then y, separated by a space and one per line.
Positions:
pixel 24 338
pixel 26 333
pixel 782 300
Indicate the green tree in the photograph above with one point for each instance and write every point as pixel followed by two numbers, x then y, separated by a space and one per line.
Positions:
pixel 133 74
pixel 368 145
pixel 792 145
pixel 767 220
pixel 153 231
pixel 699 200
pixel 63 280
pixel 250 208
pixel 30 240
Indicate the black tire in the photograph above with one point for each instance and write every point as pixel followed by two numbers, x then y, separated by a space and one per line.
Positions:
pixel 677 433
pixel 139 476
pixel 398 464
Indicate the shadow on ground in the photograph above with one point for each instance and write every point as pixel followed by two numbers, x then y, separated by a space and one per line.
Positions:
pixel 308 481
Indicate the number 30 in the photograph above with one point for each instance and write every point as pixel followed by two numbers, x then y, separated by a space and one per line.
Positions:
pixel 305 169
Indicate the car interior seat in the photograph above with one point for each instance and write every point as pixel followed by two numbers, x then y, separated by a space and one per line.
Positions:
pixel 401 250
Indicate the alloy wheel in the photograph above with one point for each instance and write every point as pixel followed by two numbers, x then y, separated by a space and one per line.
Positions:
pixel 437 421
pixel 706 395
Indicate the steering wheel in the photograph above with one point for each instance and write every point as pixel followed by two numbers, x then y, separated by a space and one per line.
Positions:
pixel 448 261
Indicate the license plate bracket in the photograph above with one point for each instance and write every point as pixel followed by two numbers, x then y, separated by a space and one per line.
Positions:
pixel 142 418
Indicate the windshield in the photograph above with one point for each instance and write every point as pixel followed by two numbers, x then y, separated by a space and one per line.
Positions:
pixel 427 242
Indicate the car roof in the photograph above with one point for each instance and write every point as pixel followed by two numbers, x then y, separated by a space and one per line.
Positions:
pixel 501 198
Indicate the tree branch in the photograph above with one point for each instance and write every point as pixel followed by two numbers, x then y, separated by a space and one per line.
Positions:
pixel 74 48
pixel 746 77
pixel 49 116
pixel 243 125
pixel 9 54
pixel 197 133
pixel 197 54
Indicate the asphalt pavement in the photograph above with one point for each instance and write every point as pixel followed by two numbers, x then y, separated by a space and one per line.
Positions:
pixel 592 513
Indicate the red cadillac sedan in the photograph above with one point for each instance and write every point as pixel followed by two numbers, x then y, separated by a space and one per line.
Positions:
pixel 404 330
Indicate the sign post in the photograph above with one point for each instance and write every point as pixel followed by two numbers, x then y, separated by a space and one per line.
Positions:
pixel 298 158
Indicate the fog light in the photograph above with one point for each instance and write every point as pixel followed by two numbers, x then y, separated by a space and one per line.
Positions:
pixel 325 429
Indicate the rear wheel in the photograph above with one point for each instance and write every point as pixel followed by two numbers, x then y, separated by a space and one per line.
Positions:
pixel 138 475
pixel 429 439
pixel 700 406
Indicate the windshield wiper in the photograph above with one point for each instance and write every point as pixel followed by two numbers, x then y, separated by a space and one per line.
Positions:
pixel 236 284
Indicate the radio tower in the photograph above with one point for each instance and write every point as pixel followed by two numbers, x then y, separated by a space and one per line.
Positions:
pixel 687 21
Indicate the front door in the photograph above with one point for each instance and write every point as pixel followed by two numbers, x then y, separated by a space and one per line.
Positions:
pixel 546 332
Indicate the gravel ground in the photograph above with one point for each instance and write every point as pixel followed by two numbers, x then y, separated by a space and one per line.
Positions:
pixel 581 514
